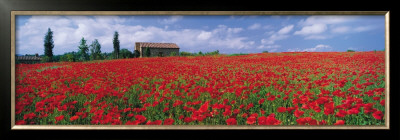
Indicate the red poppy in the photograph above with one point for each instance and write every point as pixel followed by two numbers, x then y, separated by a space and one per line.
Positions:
pixel 29 116
pixel 59 118
pixel 339 122
pixel 271 120
pixel 382 102
pixel 20 122
pixel 140 118
pixel 261 101
pixel 298 113
pixel 328 108
pixel 353 111
pixel 271 98
pixel 231 121
pixel 188 119
pixel 168 121
pixel 251 120
pixel 378 115
pixel 73 118
pixel 204 107
pixel 341 113
pixel 281 109
pixel 136 122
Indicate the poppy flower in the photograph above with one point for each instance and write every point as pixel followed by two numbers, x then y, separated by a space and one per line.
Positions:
pixel 20 122
pixel 378 115
pixel 140 118
pixel 271 120
pixel 29 116
pixel 231 121
pixel 136 122
pixel 73 118
pixel 339 122
pixel 353 111
pixel 188 119
pixel 261 101
pixel 168 121
pixel 341 113
pixel 298 113
pixel 382 102
pixel 251 120
pixel 281 109
pixel 59 118
pixel 271 98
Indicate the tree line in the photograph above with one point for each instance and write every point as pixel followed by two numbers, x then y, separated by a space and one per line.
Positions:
pixel 93 51
pixel 85 52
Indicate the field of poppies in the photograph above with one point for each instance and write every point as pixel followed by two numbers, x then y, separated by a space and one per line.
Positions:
pixel 298 88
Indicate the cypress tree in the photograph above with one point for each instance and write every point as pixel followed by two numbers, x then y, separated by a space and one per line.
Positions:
pixel 48 45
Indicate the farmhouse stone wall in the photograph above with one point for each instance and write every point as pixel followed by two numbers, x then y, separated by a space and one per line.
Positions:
pixel 156 51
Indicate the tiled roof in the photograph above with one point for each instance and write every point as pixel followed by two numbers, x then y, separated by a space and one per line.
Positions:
pixel 26 58
pixel 158 45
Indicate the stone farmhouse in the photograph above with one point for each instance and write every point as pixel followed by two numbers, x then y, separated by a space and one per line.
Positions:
pixel 28 59
pixel 157 49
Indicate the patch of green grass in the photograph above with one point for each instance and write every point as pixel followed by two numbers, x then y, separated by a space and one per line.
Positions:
pixel 52 67
pixel 238 54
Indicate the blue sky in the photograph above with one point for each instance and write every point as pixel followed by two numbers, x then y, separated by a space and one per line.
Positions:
pixel 228 34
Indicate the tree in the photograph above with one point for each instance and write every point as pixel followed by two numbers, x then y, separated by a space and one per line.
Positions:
pixel 125 53
pixel 68 57
pixel 136 54
pixel 95 50
pixel 48 45
pixel 172 54
pixel 147 52
pixel 83 50
pixel 116 45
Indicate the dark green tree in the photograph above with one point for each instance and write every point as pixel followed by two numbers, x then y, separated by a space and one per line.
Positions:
pixel 125 53
pixel 147 52
pixel 48 46
pixel 116 45
pixel 95 50
pixel 136 54
pixel 83 50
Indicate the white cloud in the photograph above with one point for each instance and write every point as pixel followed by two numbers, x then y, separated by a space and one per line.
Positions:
pixel 275 36
pixel 316 37
pixel 267 27
pixel 204 35
pixel 352 48
pixel 171 20
pixel 312 29
pixel 347 29
pixel 326 20
pixel 268 46
pixel 286 29
pixel 318 48
pixel 341 29
pixel 363 28
pixel 68 30
pixel 254 26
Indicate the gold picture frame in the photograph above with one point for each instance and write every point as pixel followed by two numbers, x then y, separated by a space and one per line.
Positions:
pixel 190 127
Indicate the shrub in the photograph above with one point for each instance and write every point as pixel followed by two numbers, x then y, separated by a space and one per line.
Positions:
pixel 172 54
pixel 46 59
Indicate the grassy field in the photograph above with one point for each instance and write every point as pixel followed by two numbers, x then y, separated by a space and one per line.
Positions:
pixel 309 88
